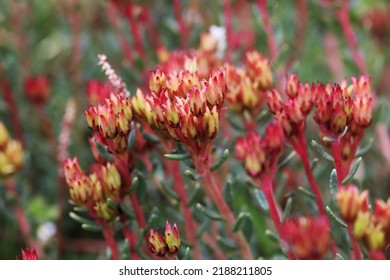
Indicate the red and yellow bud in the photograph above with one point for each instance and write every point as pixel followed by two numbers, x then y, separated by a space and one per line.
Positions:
pixel 104 211
pixel 29 254
pixel 259 69
pixel 197 101
pixel 274 136
pixel 211 122
pixel 157 244
pixel 351 202
pixel 362 222
pixel 11 154
pixel 172 238
pixel 292 85
pixel 111 180
pixel 172 113
pixel 307 237
pixel 382 214
pixel 274 101
pixel 4 137
pixel 157 81
pixel 375 237
pixel 216 89
pixel 97 92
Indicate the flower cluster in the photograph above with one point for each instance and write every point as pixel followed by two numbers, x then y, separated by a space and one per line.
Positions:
pixel 94 191
pixel 247 84
pixel 260 155
pixel 170 243
pixel 308 238
pixel 112 120
pixel 372 228
pixel 292 114
pixel 183 105
pixel 11 154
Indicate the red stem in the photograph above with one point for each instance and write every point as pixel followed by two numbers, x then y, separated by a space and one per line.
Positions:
pixel 271 41
pixel 22 220
pixel 266 187
pixel 190 224
pixel 300 32
pixel 182 24
pixel 128 235
pixel 76 50
pixel 108 234
pixel 350 36
pixel 227 13
pixel 357 253
pixel 136 33
pixel 301 149
pixel 213 190
pixel 338 161
pixel 11 106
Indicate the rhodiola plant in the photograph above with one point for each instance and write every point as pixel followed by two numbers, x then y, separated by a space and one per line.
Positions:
pixel 153 130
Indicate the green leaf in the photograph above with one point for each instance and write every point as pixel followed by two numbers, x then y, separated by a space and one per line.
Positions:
pixel 128 211
pixel 221 160
pixel 321 150
pixel 329 139
pixel 339 257
pixel 80 219
pixel 235 125
pixel 111 203
pixel 202 228
pixel 102 150
pixel 241 220
pixel 307 193
pixel 190 175
pixel 314 164
pixel 336 218
pixel 168 190
pixel 187 254
pixel 352 173
pixel 177 156
pixel 132 137
pixel 362 151
pixel 93 228
pixel 287 209
pixel 208 213
pixel 80 209
pixel 272 236
pixel 147 136
pixel 260 199
pixel 196 194
pixel 226 245
pixel 287 159
pixel 333 184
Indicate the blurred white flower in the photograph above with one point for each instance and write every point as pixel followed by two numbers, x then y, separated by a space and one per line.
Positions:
pixel 219 34
pixel 46 231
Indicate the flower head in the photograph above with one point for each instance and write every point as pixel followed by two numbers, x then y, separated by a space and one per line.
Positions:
pixel 29 254
pixel 172 238
pixel 11 154
pixel 307 237
pixel 351 202
pixel 37 89
pixel 157 244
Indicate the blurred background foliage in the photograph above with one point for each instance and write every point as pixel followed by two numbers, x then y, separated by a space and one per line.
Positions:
pixel 38 38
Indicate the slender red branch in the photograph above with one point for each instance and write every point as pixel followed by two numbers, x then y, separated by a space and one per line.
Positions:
pixel 274 210
pixel 108 234
pixel 300 148
pixel 350 36
pixel 227 13
pixel 333 55
pixel 135 31
pixel 76 47
pixel 129 237
pixel 177 9
pixel 213 190
pixel 300 32
pixel 22 220
pixel 114 19
pixel 338 161
pixel 11 106
pixel 189 222
pixel 357 253
pixel 271 40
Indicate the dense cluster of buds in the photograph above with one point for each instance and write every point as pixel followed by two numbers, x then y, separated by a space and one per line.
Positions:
pixel 260 155
pixel 37 89
pixel 372 228
pixel 308 238
pixel 93 191
pixel 112 120
pixel 247 84
pixel 29 254
pixel 11 154
pixel 170 243
pixel 98 92
pixel 292 114
pixel 183 105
